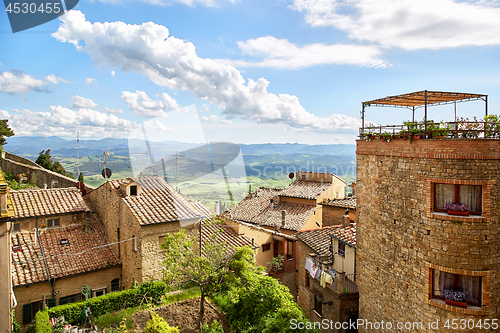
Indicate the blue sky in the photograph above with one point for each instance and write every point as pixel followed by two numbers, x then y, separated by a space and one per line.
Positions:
pixel 243 71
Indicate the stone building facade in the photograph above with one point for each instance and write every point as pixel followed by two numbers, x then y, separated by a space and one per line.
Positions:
pixel 410 250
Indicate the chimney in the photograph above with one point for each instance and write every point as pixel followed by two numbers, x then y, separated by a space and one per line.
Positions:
pixel 346 220
pixel 353 186
pixel 249 188
pixel 87 223
pixel 3 198
pixel 283 214
pixel 217 208
pixel 272 203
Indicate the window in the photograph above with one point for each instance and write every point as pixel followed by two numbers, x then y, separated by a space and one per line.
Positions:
pixel 453 193
pixel 470 285
pixel 303 177
pixel 341 248
pixel 307 282
pixel 53 223
pixel 51 302
pixel 30 310
pixel 266 247
pixel 115 284
pixel 318 304
pixel 69 299
pixel 99 292
pixel 133 190
pixel 16 227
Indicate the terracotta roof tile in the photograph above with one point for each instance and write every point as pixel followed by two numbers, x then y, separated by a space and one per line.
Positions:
pixel 82 254
pixel 347 234
pixel 319 240
pixel 256 208
pixel 43 202
pixel 305 189
pixel 349 202
pixel 158 202
pixel 227 234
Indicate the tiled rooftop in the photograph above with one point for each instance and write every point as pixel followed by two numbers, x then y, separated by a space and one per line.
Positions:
pixel 319 240
pixel 158 202
pixel 43 202
pixel 256 208
pixel 349 202
pixel 227 234
pixel 81 255
pixel 305 189
pixel 346 234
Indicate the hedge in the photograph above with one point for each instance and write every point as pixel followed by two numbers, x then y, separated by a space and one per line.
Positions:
pixel 111 302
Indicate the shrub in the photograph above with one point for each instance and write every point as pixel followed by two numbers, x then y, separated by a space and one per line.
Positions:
pixel 111 302
pixel 158 325
pixel 42 324
pixel 216 327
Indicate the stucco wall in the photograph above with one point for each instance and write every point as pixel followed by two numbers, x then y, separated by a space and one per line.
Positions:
pixel 399 235
pixel 6 277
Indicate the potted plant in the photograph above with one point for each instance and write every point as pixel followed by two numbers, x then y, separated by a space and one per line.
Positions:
pixel 457 209
pixel 455 298
pixel 492 126
pixel 386 137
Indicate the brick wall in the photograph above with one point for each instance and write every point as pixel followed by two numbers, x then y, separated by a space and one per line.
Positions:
pixel 399 237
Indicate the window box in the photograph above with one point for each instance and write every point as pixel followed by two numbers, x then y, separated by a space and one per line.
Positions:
pixel 458 213
pixel 455 303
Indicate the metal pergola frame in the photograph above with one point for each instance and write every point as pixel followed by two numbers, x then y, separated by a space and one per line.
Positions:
pixel 424 99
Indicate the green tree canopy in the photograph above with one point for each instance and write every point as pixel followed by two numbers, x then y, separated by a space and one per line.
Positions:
pixel 5 131
pixel 80 177
pixel 45 159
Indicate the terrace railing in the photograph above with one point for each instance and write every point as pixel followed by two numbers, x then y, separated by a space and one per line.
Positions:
pixel 431 130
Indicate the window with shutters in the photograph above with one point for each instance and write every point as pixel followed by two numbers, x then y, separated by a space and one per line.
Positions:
pixel 30 310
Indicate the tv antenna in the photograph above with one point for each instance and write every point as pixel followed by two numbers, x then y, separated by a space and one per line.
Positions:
pixel 176 168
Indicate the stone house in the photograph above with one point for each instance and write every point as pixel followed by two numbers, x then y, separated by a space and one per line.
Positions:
pixel 271 216
pixel 136 214
pixel 57 247
pixel 411 245
pixel 334 209
pixel 329 250
pixel 6 295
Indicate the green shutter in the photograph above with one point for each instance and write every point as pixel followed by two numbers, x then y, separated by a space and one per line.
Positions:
pixel 27 313
pixel 63 300
pixel 51 302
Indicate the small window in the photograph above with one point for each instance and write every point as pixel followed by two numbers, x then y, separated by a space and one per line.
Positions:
pixel 303 177
pixel 30 310
pixel 69 299
pixel 341 248
pixel 469 195
pixel 115 284
pixel 99 292
pixel 16 227
pixel 133 190
pixel 53 223
pixel 64 242
pixel 289 249
pixel 318 304
pixel 16 248
pixel 266 247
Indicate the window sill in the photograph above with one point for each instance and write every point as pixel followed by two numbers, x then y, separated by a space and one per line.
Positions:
pixel 470 310
pixel 470 218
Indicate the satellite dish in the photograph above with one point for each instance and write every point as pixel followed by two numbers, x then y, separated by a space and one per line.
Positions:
pixel 290 175
pixel 106 173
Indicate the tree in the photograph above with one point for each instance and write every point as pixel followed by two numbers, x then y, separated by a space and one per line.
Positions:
pixel 183 264
pixel 45 160
pixel 57 167
pixel 80 177
pixel 5 131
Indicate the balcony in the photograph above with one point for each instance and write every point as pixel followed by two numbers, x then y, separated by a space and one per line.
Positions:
pixel 459 128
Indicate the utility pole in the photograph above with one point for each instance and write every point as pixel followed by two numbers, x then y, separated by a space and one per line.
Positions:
pixel 176 168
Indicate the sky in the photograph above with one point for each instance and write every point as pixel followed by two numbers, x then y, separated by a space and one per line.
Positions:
pixel 279 71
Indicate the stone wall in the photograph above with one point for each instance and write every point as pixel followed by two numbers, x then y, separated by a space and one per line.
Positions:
pixel 15 165
pixel 400 238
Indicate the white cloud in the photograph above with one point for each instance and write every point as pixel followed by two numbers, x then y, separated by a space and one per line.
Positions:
pixel 113 73
pixel 21 83
pixel 83 103
pixel 142 105
pixel 89 80
pixel 115 111
pixel 281 54
pixel 213 118
pixel 61 121
pixel 191 3
pixel 409 24
pixel 171 62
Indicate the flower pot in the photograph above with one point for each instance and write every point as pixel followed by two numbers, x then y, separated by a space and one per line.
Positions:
pixel 416 137
pixel 457 212
pixel 455 303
